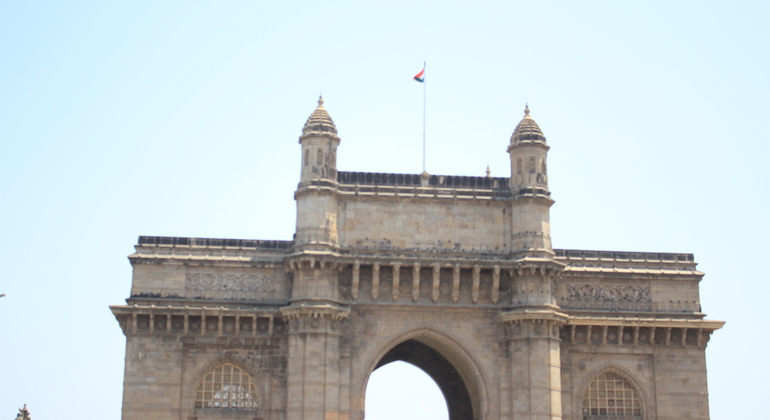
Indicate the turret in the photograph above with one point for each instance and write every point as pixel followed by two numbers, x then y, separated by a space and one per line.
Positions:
pixel 531 228
pixel 319 146
pixel 316 192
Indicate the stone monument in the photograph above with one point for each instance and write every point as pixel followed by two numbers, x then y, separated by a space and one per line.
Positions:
pixel 453 274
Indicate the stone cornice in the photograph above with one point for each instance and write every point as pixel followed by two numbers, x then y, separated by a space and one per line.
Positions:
pixel 639 272
pixel 550 313
pixel 543 322
pixel 192 310
pixel 218 260
pixel 629 331
pixel 197 320
pixel 646 322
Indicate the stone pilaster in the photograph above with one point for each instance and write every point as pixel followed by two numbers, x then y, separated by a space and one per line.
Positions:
pixel 313 362
pixel 535 362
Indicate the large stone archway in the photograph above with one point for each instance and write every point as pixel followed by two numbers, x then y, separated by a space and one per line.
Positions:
pixel 444 359
pixel 430 361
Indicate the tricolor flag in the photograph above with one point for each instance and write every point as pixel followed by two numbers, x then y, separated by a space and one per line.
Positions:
pixel 420 77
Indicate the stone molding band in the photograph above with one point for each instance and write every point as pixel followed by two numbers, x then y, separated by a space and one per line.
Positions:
pixel 203 321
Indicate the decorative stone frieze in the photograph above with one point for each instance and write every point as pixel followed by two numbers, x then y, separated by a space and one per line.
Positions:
pixel 600 293
pixel 232 282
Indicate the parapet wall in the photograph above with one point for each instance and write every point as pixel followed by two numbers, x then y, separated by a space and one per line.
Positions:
pixel 407 211
pixel 210 269
pixel 253 271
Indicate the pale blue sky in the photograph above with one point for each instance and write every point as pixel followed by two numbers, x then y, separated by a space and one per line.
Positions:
pixel 181 118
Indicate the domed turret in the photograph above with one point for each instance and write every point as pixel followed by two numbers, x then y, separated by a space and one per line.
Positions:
pixel 319 142
pixel 319 122
pixel 529 152
pixel 316 193
pixel 527 130
pixel 529 186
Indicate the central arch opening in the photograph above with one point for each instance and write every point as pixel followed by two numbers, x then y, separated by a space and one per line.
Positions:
pixel 451 385
pixel 402 391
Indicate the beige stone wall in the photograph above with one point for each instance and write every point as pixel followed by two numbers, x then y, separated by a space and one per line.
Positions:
pixel 165 360
pixel 163 371
pixel 671 381
pixel 630 293
pixel 581 364
pixel 424 224
pixel 263 359
pixel 211 282
pixel 165 363
pixel 680 384
pixel 317 216
pixel 212 273
pixel 152 378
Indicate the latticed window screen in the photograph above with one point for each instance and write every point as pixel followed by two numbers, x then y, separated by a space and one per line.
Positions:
pixel 611 395
pixel 228 387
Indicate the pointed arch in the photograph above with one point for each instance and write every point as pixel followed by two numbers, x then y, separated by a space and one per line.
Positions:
pixel 226 385
pixel 611 393
pixel 457 359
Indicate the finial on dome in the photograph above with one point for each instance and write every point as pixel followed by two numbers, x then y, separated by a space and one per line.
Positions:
pixel 526 109
pixel 489 172
pixel 320 100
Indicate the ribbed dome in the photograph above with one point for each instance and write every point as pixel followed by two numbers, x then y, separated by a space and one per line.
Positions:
pixel 527 130
pixel 319 122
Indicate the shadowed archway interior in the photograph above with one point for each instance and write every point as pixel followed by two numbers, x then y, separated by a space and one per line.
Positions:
pixel 459 404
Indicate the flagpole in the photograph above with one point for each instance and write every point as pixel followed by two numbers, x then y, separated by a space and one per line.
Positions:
pixel 424 96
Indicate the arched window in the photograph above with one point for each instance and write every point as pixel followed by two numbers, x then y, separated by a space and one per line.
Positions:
pixel 320 159
pixel 307 157
pixel 610 394
pixel 227 387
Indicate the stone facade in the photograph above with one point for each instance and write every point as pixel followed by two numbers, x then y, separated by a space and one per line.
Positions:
pixel 455 275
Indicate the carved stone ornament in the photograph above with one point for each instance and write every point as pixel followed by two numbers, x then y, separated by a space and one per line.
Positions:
pixel 232 282
pixel 595 293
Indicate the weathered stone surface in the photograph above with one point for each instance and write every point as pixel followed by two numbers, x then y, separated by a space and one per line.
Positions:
pixel 453 274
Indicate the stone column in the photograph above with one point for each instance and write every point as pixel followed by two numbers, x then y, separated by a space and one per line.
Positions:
pixel 313 361
pixel 534 352
pixel 532 323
